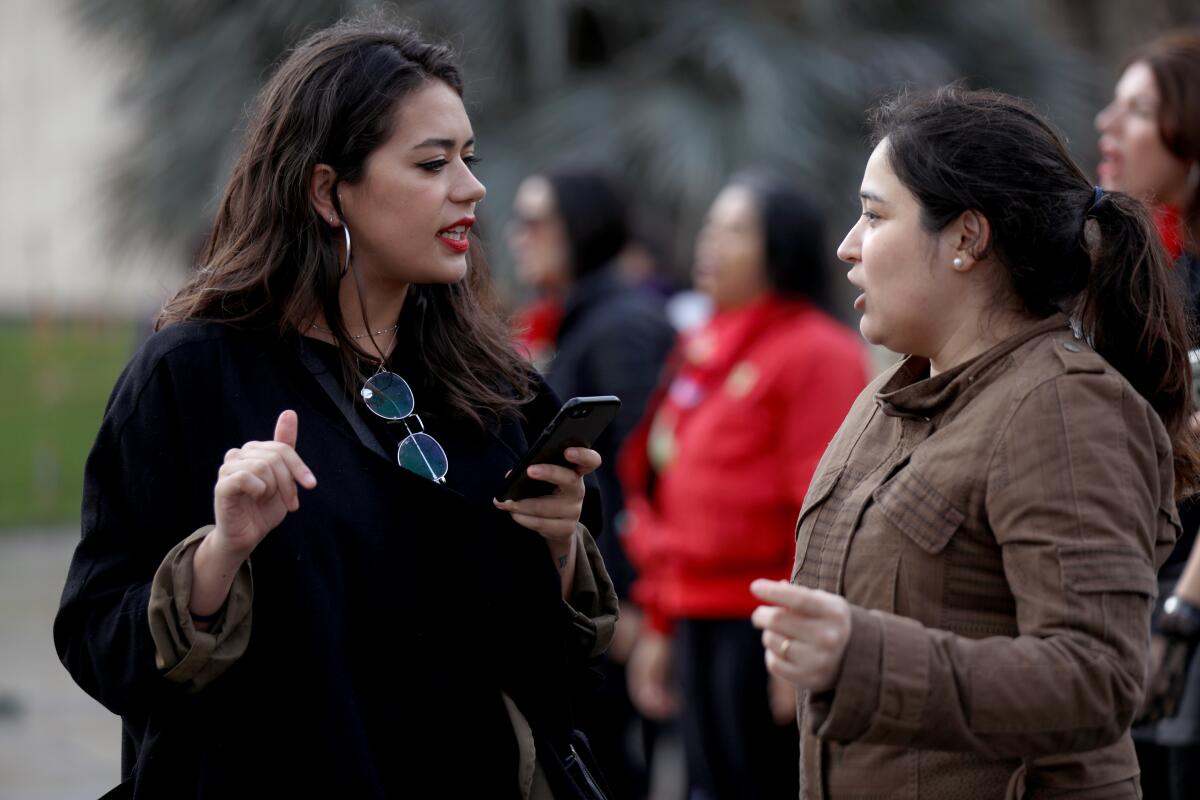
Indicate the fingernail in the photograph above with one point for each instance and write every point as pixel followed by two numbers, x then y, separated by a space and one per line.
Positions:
pixel 535 472
pixel 571 452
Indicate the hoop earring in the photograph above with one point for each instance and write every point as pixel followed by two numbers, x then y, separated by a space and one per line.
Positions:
pixel 346 268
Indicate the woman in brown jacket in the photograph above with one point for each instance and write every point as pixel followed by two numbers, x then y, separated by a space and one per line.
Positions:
pixel 975 560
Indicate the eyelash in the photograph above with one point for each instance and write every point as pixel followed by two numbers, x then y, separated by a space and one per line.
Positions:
pixel 438 163
pixel 870 216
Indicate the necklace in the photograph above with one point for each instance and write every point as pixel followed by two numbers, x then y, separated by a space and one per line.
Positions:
pixel 361 335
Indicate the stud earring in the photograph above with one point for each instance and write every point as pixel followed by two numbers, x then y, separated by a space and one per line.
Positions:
pixel 958 262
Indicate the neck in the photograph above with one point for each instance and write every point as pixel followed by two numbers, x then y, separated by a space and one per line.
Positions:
pixel 371 309
pixel 369 313
pixel 973 337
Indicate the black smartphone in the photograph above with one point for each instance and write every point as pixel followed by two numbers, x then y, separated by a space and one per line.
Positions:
pixel 578 423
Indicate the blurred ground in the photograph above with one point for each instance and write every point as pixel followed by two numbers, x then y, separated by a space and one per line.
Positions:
pixel 56 743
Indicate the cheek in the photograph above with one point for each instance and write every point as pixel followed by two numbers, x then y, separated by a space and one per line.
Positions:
pixel 1149 164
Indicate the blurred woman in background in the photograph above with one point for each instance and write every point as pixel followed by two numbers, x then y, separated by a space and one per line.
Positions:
pixel 1150 148
pixel 596 332
pixel 715 476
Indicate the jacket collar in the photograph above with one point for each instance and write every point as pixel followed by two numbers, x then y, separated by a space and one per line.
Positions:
pixel 910 392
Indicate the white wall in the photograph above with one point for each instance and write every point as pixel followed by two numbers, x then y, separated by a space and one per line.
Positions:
pixel 60 128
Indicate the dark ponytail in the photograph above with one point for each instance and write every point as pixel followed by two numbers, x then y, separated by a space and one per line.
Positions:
pixel 1066 245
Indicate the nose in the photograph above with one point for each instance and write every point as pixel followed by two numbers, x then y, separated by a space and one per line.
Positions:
pixel 1105 118
pixel 468 188
pixel 850 250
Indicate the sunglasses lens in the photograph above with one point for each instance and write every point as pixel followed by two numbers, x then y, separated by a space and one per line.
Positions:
pixel 420 453
pixel 388 395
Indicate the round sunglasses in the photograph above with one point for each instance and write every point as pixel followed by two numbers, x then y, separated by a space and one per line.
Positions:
pixel 389 396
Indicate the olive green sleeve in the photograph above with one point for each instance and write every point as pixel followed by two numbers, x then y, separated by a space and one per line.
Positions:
pixel 188 656
pixel 593 603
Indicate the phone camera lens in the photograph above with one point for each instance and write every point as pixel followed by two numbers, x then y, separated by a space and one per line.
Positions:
pixel 581 412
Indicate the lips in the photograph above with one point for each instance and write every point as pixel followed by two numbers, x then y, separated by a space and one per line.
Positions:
pixel 1110 163
pixel 454 235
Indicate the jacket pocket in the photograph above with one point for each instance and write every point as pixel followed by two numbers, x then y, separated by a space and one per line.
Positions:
pixel 1095 569
pixel 818 492
pixel 910 502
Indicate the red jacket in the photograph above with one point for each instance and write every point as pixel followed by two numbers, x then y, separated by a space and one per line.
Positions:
pixel 716 473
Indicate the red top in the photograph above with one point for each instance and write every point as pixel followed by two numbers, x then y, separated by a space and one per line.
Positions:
pixel 730 447
pixel 537 329
pixel 1169 223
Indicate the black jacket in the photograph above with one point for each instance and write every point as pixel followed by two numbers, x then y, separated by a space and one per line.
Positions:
pixel 389 612
pixel 613 339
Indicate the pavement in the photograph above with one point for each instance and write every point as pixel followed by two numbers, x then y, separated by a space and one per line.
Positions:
pixel 56 743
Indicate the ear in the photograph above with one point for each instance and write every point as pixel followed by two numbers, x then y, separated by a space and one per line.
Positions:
pixel 321 185
pixel 971 238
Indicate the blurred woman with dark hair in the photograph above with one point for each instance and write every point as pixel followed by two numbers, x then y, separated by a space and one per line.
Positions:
pixel 609 336
pixel 969 614
pixel 715 477
pixel 346 612
pixel 1150 148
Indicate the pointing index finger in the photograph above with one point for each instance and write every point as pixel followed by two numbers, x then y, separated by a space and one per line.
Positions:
pixel 797 599
pixel 286 431
pixel 286 428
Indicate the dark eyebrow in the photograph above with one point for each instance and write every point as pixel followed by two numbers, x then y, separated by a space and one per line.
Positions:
pixel 447 144
pixel 874 198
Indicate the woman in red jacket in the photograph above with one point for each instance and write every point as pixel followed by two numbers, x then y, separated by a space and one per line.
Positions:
pixel 716 476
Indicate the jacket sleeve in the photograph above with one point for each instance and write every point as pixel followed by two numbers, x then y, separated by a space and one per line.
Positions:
pixel 1078 492
pixel 593 604
pixel 188 656
pixel 147 485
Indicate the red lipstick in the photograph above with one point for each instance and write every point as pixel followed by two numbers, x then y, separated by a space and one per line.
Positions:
pixel 454 235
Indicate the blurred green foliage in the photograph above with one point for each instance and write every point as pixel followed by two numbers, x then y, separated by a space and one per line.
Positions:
pixel 57 376
pixel 671 96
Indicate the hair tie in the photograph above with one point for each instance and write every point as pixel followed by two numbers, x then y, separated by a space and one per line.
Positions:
pixel 1097 196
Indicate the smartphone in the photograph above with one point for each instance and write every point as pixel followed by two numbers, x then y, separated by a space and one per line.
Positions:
pixel 578 423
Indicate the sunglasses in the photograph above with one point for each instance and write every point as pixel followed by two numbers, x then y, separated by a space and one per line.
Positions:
pixel 389 396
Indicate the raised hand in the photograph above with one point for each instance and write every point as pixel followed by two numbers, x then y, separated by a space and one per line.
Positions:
pixel 257 487
pixel 805 633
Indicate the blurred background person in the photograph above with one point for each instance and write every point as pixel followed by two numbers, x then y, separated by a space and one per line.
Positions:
pixel 715 477
pixel 603 331
pixel 1150 148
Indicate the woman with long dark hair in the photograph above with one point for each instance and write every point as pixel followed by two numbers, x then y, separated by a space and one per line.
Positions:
pixel 346 612
pixel 975 560
pixel 1150 148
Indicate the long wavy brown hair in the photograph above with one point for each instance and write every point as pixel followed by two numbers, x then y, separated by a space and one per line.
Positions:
pixel 270 261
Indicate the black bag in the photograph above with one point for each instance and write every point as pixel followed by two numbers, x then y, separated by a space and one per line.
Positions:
pixel 573 775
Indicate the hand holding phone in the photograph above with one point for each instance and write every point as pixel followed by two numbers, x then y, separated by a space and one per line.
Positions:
pixel 578 423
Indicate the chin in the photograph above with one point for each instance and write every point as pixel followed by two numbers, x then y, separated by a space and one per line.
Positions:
pixel 869 332
pixel 446 273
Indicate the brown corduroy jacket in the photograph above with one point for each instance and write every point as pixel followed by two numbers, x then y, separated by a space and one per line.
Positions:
pixel 996 529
